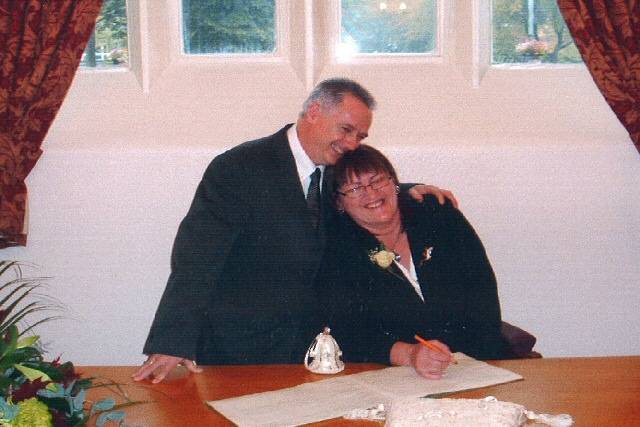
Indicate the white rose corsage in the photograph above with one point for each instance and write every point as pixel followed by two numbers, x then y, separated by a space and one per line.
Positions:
pixel 382 257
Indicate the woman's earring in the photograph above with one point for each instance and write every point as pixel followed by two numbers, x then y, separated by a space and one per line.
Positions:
pixel 397 189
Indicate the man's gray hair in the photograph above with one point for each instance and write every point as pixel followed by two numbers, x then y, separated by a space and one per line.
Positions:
pixel 331 92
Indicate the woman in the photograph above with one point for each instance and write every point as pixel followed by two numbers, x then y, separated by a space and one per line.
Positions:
pixel 395 268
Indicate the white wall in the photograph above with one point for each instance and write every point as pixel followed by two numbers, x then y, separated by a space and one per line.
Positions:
pixel 542 168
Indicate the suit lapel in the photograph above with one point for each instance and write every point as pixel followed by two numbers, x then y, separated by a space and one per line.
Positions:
pixel 390 279
pixel 288 174
pixel 290 189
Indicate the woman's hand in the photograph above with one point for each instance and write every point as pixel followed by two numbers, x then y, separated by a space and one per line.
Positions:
pixel 428 363
pixel 159 366
pixel 420 190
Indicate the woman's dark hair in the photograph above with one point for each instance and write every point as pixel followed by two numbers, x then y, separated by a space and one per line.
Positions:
pixel 362 160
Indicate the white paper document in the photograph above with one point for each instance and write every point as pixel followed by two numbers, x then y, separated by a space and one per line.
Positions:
pixel 335 397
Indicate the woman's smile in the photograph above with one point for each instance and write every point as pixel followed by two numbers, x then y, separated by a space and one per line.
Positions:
pixel 374 204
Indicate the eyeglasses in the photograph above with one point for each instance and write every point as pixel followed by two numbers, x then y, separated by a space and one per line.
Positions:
pixel 359 191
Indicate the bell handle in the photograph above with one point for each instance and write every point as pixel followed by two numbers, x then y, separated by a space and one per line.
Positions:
pixel 312 347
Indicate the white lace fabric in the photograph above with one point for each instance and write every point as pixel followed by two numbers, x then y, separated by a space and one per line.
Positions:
pixel 487 412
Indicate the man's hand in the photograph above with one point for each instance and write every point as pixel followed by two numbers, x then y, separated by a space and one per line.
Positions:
pixel 418 192
pixel 158 366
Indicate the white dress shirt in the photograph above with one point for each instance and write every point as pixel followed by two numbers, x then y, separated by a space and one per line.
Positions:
pixel 411 275
pixel 304 164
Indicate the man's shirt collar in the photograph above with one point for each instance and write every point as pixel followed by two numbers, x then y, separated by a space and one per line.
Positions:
pixel 304 164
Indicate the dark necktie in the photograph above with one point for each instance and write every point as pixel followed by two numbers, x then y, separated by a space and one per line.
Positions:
pixel 313 197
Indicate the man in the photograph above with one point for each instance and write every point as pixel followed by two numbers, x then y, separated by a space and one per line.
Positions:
pixel 246 255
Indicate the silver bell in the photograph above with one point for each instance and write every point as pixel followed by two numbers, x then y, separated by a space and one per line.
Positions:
pixel 324 355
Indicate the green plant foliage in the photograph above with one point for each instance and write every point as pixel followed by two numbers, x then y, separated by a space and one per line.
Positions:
pixel 113 19
pixel 35 392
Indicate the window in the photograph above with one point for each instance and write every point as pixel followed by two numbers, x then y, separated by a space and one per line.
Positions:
pixel 223 27
pixel 436 79
pixel 388 27
pixel 527 31
pixel 108 46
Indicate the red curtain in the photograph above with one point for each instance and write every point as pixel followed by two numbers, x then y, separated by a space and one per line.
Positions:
pixel 607 34
pixel 42 43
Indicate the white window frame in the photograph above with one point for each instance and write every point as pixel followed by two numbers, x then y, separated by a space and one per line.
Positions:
pixel 314 17
pixel 461 78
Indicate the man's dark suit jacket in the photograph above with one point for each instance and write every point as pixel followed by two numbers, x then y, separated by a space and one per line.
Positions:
pixel 243 264
pixel 371 308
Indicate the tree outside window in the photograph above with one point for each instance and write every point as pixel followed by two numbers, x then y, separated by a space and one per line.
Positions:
pixel 108 46
pixel 388 27
pixel 228 26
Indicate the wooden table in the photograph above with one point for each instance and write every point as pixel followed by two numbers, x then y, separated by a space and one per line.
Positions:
pixel 602 391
